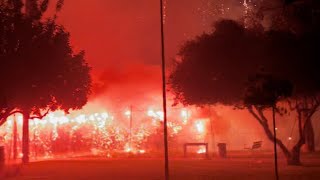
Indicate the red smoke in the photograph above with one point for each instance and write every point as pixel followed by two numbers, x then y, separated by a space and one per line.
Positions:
pixel 133 84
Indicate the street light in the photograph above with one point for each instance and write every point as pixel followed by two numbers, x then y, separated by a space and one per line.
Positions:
pixel 129 114
pixel 165 130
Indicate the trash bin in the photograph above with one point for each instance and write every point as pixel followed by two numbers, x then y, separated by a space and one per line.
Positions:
pixel 222 150
pixel 2 158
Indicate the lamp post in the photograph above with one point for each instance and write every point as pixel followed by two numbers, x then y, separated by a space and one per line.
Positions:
pixel 130 127
pixel 15 136
pixel 275 143
pixel 165 130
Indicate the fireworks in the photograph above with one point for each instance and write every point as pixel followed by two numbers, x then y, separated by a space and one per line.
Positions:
pixel 200 126
pixel 202 150
pixel 99 133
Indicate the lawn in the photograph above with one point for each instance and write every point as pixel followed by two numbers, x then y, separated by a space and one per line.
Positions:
pixel 232 168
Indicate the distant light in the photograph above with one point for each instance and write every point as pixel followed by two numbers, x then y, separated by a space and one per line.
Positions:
pixel 200 126
pixel 289 138
pixel 128 149
pixel 81 118
pixel 91 117
pixel 19 119
pixel 43 122
pixel 202 150
pixel 128 113
pixel 63 120
pixel 9 122
pixel 53 120
pixel 105 115
pixel 160 115
pixel 151 113
pixel 184 113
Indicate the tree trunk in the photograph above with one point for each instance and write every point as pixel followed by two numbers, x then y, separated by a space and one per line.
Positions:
pixel 270 136
pixel 309 136
pixel 293 156
pixel 295 152
pixel 25 137
pixel 263 121
pixel 294 159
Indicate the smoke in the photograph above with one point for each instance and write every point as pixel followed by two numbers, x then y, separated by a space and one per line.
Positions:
pixel 136 85
pixel 122 44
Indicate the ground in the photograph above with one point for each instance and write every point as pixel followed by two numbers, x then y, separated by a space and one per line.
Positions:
pixel 234 167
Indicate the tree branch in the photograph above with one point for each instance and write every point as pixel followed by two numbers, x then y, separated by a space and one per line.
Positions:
pixel 312 111
pixel 251 111
pixel 303 129
pixel 4 116
pixel 264 122
pixel 40 116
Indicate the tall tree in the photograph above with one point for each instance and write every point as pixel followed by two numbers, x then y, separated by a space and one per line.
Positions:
pixel 248 69
pixel 302 18
pixel 39 70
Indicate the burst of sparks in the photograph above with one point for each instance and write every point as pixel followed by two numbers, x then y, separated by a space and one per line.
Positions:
pixel 200 126
pixel 98 133
pixel 201 150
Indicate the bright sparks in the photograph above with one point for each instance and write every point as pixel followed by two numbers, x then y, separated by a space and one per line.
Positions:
pixel 202 150
pixel 200 126
pixel 99 133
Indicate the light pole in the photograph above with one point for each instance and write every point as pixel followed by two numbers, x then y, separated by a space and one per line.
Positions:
pixel 15 135
pixel 275 143
pixel 130 127
pixel 165 130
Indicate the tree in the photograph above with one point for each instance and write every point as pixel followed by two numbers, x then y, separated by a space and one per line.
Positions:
pixel 39 70
pixel 249 69
pixel 300 17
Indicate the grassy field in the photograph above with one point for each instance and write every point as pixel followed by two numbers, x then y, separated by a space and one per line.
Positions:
pixel 232 168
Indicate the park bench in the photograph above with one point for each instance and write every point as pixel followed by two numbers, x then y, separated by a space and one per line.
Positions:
pixel 185 147
pixel 255 145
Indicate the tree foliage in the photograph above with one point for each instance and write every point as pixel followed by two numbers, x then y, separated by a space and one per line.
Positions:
pixel 39 70
pixel 301 17
pixel 247 68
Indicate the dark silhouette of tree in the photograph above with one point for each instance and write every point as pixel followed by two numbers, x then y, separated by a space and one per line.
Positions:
pixel 297 16
pixel 300 17
pixel 250 69
pixel 39 70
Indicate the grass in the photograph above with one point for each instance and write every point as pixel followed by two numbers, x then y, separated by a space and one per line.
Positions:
pixel 236 166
